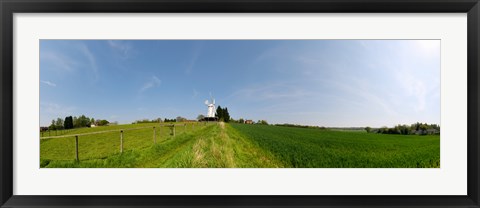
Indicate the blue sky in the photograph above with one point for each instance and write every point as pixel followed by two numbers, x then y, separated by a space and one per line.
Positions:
pixel 338 83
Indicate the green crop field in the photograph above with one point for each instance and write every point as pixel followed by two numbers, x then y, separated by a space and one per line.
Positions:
pixel 303 147
pixel 219 145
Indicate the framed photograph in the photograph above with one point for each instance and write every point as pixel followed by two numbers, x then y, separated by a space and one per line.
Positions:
pixel 240 103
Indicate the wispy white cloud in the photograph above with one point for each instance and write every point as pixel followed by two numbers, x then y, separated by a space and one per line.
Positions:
pixel 51 84
pixel 57 61
pixel 51 107
pixel 154 81
pixel 414 87
pixel 122 47
pixel 270 53
pixel 91 59
pixel 270 91
pixel 193 60
pixel 195 93
pixel 77 56
pixel 365 94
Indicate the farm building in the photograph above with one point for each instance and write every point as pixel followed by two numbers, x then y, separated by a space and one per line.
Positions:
pixel 248 122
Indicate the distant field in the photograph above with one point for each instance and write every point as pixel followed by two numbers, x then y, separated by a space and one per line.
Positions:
pixel 239 145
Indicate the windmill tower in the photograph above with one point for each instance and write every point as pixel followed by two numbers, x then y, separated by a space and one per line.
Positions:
pixel 211 110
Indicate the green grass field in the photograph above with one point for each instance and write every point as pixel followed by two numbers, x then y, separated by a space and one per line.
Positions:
pixel 238 146
pixel 301 147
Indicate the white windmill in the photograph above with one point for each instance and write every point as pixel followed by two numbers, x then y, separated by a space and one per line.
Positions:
pixel 211 108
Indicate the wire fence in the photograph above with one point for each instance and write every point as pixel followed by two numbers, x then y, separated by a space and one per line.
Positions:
pixel 173 128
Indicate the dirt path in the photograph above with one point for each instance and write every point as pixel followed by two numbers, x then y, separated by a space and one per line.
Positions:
pixel 223 147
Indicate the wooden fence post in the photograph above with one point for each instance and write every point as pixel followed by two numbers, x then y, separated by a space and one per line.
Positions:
pixel 76 148
pixel 154 135
pixel 121 141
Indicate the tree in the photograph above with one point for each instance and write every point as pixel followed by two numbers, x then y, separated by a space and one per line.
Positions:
pixel 416 128
pixel 68 123
pixel 368 129
pixel 200 117
pixel 83 121
pixel 226 115
pixel 241 120
pixel 383 130
pixel 52 126
pixel 92 121
pixel 75 122
pixel 180 119
pixel 220 113
pixel 423 128
pixel 59 124
pixel 103 122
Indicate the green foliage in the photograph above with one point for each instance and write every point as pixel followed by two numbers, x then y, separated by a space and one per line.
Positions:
pixel 103 122
pixel 59 124
pixel 222 114
pixel 68 123
pixel 158 120
pixel 313 148
pixel 416 128
pixel 81 121
pixel 180 119
pixel 75 122
pixel 302 126
pixel 263 122
pixel 52 126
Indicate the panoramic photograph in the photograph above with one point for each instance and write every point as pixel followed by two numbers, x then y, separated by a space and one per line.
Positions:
pixel 239 104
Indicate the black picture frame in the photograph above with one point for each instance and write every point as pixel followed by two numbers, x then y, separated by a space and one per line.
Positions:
pixel 9 7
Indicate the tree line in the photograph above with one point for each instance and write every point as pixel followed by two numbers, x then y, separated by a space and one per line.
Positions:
pixel 76 122
pixel 416 128
pixel 159 120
